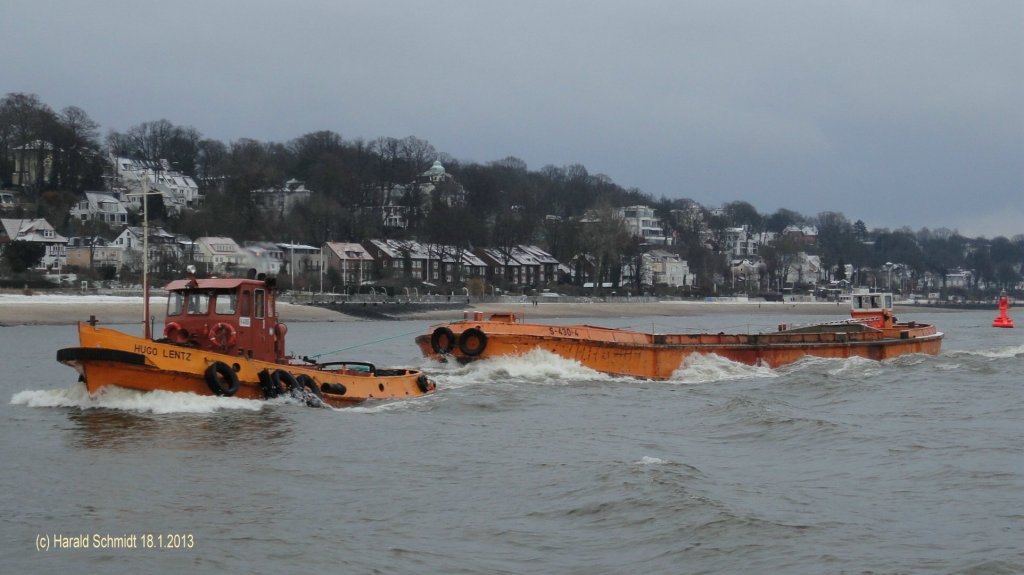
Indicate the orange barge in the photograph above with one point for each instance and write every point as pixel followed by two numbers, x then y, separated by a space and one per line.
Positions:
pixel 872 332
pixel 223 337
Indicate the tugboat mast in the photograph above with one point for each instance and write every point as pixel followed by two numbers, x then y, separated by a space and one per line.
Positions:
pixel 147 332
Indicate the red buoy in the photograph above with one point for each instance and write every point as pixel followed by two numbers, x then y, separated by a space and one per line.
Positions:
pixel 1003 320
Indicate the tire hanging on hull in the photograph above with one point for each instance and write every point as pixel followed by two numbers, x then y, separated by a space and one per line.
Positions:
pixel 221 379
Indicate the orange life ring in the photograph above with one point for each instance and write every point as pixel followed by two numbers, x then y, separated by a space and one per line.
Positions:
pixel 223 334
pixel 174 332
pixel 280 330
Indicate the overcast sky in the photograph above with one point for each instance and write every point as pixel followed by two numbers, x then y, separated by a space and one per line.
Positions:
pixel 899 113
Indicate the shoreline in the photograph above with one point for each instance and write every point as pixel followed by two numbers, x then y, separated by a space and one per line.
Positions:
pixel 37 310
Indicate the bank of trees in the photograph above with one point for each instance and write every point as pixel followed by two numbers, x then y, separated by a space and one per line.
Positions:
pixel 564 209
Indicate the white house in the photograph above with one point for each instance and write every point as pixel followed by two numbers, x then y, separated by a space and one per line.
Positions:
pixel 668 268
pixel 642 222
pixel 36 231
pixel 805 269
pixel 179 190
pixel 106 207
pixel 265 257
pixel 218 255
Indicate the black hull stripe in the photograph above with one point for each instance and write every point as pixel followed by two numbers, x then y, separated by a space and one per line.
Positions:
pixel 70 354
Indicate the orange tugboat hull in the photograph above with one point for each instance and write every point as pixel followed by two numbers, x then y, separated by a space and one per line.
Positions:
pixel 653 356
pixel 108 357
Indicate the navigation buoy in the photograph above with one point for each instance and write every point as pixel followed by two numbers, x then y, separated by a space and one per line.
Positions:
pixel 1003 320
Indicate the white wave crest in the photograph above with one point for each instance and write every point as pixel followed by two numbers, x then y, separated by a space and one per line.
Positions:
pixel 856 366
pixel 709 368
pixel 535 366
pixel 648 460
pixel 997 353
pixel 157 402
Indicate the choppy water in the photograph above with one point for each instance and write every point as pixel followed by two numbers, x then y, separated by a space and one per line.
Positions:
pixel 534 465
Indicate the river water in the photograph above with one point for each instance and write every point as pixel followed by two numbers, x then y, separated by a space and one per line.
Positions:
pixel 530 465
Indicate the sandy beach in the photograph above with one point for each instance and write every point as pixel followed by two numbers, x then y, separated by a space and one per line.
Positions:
pixel 67 310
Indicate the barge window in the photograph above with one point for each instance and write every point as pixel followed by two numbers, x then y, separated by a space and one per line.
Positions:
pixel 227 303
pixel 198 303
pixel 259 303
pixel 175 303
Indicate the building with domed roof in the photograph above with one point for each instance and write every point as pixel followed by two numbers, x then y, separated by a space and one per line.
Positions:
pixel 438 187
pixel 431 189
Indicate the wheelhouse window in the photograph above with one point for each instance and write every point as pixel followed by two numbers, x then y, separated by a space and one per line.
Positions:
pixel 226 303
pixel 260 303
pixel 246 307
pixel 175 303
pixel 198 303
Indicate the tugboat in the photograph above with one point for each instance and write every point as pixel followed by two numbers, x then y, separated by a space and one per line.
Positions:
pixel 222 337
pixel 871 332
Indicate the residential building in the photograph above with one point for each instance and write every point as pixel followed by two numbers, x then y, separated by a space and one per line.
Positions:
pixel 805 235
pixel 544 264
pixel 642 223
pixel 36 231
pixel 219 255
pixel 400 257
pixel 352 261
pixel 105 207
pixel 300 260
pixel 93 252
pixel 165 250
pixel 179 190
pixel 739 243
pixel 8 201
pixel 745 274
pixel 958 278
pixel 443 264
pixel 33 164
pixel 805 269
pixel 502 266
pixel 281 200
pixel 661 267
pixel 265 257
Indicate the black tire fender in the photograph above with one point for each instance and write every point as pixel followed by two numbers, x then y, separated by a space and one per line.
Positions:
pixel 221 379
pixel 283 376
pixel 424 384
pixel 334 388
pixel 308 384
pixel 267 384
pixel 467 345
pixel 436 340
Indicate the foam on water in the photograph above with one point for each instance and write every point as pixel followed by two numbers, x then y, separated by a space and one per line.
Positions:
pixel 855 367
pixel 536 366
pixel 157 402
pixel 995 353
pixel 709 368
pixel 648 460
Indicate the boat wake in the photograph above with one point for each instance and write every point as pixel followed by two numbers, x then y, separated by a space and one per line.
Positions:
pixel 710 368
pixel 537 366
pixel 156 402
pixel 996 353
